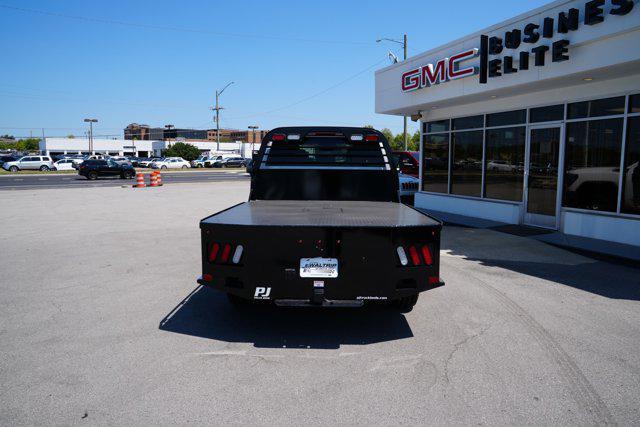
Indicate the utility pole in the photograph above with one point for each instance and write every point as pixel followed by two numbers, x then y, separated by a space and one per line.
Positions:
pixel 217 109
pixel 91 122
pixel 404 46
pixel 253 137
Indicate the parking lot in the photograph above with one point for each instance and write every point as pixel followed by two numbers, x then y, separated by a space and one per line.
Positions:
pixel 102 322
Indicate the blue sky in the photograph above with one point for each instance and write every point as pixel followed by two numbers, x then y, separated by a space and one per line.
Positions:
pixel 284 56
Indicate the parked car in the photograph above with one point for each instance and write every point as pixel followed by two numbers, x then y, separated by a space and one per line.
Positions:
pixel 215 160
pixel 9 158
pixel 42 163
pixel 146 163
pixel 171 163
pixel 408 187
pixel 231 162
pixel 93 169
pixel 63 165
pixel 121 159
pixel 500 165
pixel 408 162
pixel 199 162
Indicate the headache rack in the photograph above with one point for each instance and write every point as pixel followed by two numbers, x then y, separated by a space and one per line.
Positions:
pixel 325 150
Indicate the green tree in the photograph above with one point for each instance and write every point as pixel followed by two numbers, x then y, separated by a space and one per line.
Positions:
pixel 184 150
pixel 387 134
pixel 28 144
pixel 70 136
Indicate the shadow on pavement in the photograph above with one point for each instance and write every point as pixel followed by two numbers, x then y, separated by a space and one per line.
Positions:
pixel 587 274
pixel 206 313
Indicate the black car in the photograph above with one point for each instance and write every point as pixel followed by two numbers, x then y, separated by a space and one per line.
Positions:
pixel 93 169
pixel 231 162
pixel 10 158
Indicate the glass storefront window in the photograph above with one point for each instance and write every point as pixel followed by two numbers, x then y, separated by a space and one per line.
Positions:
pixel 466 165
pixel 634 104
pixel 631 178
pixel 596 108
pixel 546 114
pixel 592 164
pixel 471 122
pixel 507 118
pixel 439 126
pixel 435 163
pixel 504 163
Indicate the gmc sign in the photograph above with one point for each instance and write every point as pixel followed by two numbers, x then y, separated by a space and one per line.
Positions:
pixel 444 70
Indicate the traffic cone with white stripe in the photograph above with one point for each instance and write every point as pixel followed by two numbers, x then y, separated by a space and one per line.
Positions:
pixel 159 179
pixel 154 181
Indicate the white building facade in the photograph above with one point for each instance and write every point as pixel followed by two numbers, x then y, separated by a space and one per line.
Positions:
pixel 533 121
pixel 127 147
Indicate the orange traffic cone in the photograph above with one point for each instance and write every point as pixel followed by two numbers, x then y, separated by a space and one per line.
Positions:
pixel 139 181
pixel 159 179
pixel 154 181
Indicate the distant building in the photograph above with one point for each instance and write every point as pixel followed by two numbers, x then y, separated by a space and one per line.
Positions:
pixel 182 134
pixel 237 135
pixel 137 131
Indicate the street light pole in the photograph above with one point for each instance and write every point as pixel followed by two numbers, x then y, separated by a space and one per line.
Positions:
pixel 91 122
pixel 253 137
pixel 217 108
pixel 404 46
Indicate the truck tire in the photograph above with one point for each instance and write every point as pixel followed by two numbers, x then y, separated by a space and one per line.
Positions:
pixel 405 304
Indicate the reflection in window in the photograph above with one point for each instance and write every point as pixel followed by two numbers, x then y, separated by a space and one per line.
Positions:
pixel 435 165
pixel 631 179
pixel 592 164
pixel 439 126
pixel 471 122
pixel 507 118
pixel 505 163
pixel 596 108
pixel 466 169
pixel 546 114
pixel 634 104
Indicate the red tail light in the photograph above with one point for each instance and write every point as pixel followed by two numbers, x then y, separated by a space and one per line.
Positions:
pixel 426 254
pixel 278 137
pixel 371 138
pixel 207 278
pixel 415 257
pixel 225 253
pixel 215 248
pixel 433 280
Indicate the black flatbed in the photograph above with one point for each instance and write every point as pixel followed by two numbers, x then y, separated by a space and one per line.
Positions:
pixel 317 213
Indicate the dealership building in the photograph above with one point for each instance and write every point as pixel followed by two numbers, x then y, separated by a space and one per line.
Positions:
pixel 534 121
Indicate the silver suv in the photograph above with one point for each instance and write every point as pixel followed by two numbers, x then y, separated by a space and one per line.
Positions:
pixel 42 163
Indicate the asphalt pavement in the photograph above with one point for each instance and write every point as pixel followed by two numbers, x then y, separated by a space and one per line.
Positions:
pixel 45 181
pixel 102 323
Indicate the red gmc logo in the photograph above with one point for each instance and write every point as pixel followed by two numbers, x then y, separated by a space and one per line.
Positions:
pixel 445 69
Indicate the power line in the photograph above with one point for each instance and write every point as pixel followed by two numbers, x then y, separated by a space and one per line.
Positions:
pixel 315 95
pixel 179 29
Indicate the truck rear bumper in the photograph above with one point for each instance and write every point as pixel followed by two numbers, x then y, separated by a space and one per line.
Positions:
pixel 317 297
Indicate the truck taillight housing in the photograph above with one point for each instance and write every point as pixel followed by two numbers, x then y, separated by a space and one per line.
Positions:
pixel 418 254
pixel 221 253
